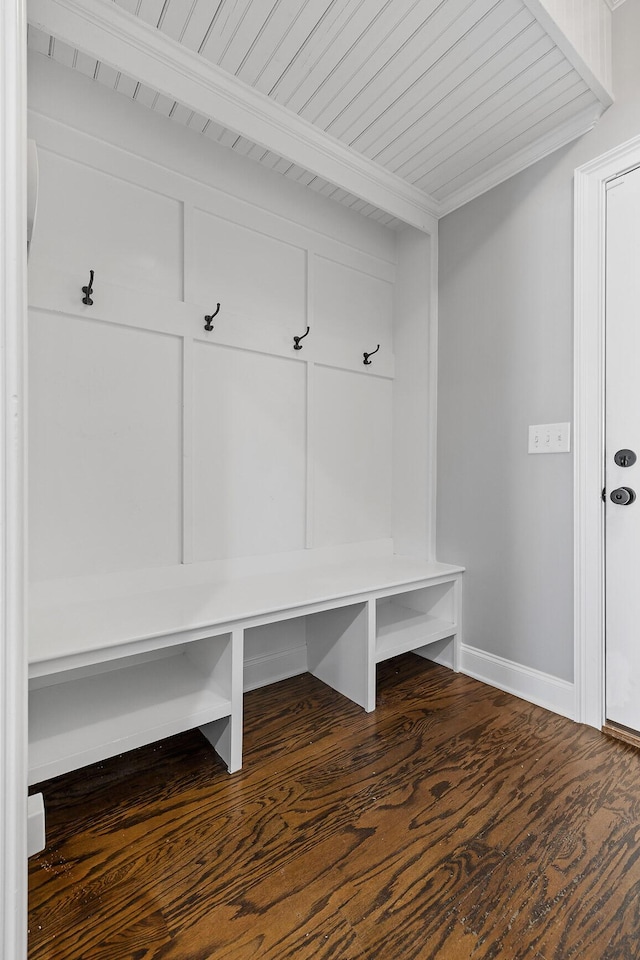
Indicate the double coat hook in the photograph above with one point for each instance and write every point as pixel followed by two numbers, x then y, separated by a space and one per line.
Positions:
pixel 366 356
pixel 209 317
pixel 296 340
pixel 88 290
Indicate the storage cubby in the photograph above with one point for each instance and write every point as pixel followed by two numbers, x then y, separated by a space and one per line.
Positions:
pixel 416 618
pixel 80 716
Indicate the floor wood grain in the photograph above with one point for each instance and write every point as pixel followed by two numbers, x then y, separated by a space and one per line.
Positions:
pixel 454 822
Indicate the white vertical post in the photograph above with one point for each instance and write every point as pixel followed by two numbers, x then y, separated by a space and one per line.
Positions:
pixel 13 659
pixel 187 449
pixel 311 457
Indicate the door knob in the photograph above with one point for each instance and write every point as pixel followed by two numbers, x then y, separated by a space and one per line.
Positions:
pixel 623 496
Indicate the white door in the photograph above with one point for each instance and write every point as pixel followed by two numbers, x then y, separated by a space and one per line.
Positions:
pixel 622 445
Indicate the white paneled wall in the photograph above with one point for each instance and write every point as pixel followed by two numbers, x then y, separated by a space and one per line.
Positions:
pixel 248 454
pixel 155 443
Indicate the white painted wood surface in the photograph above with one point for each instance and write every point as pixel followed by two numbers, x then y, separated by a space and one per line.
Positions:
pixel 204 452
pixel 282 461
pixel 13 307
pixel 105 446
pixel 249 453
pixel 587 25
pixel 172 660
pixel 352 459
pixel 392 86
pixel 622 432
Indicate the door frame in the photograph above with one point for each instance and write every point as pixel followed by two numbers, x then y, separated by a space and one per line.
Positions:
pixel 13 656
pixel 589 426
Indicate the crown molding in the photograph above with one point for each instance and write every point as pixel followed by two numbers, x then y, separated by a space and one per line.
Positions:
pixel 530 154
pixel 110 34
pixel 614 4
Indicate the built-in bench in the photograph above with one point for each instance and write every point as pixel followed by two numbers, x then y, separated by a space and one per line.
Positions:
pixel 113 672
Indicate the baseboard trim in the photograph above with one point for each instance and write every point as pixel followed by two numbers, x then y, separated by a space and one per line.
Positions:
pixel 261 671
pixel 540 688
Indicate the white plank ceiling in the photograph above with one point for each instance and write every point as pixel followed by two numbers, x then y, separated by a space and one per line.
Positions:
pixel 449 95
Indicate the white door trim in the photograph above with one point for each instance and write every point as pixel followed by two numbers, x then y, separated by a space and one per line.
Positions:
pixel 589 328
pixel 13 657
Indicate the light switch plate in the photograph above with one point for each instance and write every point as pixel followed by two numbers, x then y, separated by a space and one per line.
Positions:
pixel 550 438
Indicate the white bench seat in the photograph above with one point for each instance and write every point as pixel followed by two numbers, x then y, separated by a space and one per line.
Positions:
pixel 115 671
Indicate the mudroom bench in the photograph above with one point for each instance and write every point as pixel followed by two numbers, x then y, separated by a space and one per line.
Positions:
pixel 116 671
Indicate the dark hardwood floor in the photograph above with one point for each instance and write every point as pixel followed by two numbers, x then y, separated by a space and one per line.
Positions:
pixel 454 822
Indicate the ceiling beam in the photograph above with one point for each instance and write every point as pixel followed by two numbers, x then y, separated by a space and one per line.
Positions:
pixel 105 31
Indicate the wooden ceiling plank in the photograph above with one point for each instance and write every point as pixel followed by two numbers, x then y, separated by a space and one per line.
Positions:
pixel 294 50
pixel 295 172
pixel 481 53
pixel 306 178
pixel 196 121
pixel 226 25
pixel 126 85
pixel 214 131
pixel 175 17
pixel 145 95
pixel 458 115
pixel 270 160
pixel 249 33
pixel 445 169
pixel 200 22
pixel 61 52
pixel 318 184
pixel 163 105
pixel 565 124
pixel 127 44
pixel 349 200
pixel 380 83
pixel 386 40
pixel 38 40
pixel 283 166
pixel 85 64
pixel 130 6
pixel 150 11
pixel 181 114
pixel 106 75
pixel 243 146
pixel 330 44
pixel 266 45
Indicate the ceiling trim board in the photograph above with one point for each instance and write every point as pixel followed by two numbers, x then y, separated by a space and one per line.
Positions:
pixel 551 28
pixel 529 155
pixel 124 42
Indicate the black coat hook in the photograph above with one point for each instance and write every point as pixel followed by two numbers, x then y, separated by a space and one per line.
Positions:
pixel 296 340
pixel 366 356
pixel 209 317
pixel 88 290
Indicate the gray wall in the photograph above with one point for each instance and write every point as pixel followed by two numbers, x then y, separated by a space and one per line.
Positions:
pixel 505 361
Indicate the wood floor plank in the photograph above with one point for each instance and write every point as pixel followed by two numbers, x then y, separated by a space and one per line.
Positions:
pixel 454 822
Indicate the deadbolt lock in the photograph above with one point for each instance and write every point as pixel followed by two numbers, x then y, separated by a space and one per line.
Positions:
pixel 623 496
pixel 625 458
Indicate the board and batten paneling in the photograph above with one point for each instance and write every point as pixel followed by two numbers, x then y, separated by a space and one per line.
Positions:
pixel 352 467
pixel 352 309
pixel 185 445
pixel 249 453
pixel 254 274
pixel 105 443
pixel 89 219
